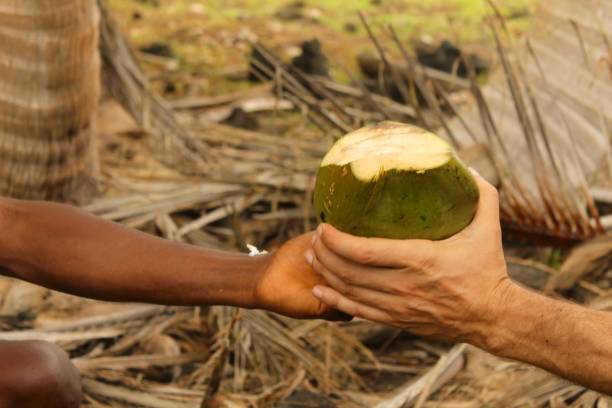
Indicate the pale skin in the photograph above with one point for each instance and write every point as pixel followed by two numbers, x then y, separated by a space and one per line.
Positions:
pixel 459 290
pixel 63 248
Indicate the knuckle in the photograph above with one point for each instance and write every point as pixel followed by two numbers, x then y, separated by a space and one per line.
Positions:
pixel 366 255
pixel 342 288
pixel 347 275
pixel 404 309
pixel 330 240
pixel 423 261
pixel 428 262
pixel 400 288
pixel 348 291
pixel 429 254
pixel 357 310
pixel 397 289
pixel 399 315
pixel 424 257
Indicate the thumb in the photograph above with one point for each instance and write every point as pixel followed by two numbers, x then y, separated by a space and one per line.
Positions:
pixel 487 213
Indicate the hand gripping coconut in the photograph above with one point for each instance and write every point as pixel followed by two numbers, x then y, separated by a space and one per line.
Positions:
pixel 397 181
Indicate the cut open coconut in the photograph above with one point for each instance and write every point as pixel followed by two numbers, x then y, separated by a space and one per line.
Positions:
pixel 394 180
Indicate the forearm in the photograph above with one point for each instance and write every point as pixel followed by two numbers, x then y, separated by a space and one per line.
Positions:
pixel 566 339
pixel 65 249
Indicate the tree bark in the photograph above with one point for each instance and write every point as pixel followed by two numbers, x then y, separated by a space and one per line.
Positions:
pixel 49 90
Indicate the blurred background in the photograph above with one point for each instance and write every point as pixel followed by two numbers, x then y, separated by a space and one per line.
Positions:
pixel 204 37
pixel 204 122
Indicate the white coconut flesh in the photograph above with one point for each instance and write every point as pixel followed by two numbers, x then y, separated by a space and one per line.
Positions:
pixel 376 150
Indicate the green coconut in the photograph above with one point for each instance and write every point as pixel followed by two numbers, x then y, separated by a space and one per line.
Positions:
pixel 397 181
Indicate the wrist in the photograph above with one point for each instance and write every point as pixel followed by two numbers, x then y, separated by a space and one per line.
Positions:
pixel 261 264
pixel 495 330
pixel 223 278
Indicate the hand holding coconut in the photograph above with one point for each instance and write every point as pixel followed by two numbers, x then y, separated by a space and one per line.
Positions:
pixel 447 289
pixel 390 182
pixel 425 255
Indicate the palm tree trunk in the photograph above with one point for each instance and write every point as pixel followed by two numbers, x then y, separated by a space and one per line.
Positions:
pixel 49 89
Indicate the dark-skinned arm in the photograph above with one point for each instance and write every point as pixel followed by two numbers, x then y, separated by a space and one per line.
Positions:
pixel 65 249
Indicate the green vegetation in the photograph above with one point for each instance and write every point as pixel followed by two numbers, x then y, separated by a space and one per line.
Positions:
pixel 203 33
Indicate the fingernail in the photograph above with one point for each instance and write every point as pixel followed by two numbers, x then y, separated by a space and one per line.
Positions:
pixel 314 238
pixel 309 256
pixel 320 230
pixel 317 292
pixel 474 172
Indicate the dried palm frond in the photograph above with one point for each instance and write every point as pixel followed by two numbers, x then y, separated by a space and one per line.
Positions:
pixel 125 82
pixel 583 259
pixel 546 123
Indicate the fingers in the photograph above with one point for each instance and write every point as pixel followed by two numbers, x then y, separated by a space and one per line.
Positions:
pixel 488 205
pixel 371 251
pixel 347 271
pixel 372 297
pixel 486 219
pixel 337 301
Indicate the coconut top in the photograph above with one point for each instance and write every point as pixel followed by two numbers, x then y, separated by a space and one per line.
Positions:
pixel 376 149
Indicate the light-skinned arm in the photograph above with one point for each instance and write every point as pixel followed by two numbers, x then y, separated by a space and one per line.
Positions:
pixel 458 289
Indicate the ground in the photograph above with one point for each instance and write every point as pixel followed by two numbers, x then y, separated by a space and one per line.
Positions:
pixel 203 35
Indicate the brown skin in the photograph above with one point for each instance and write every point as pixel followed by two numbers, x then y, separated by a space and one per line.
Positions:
pixel 36 375
pixel 65 249
pixel 459 290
